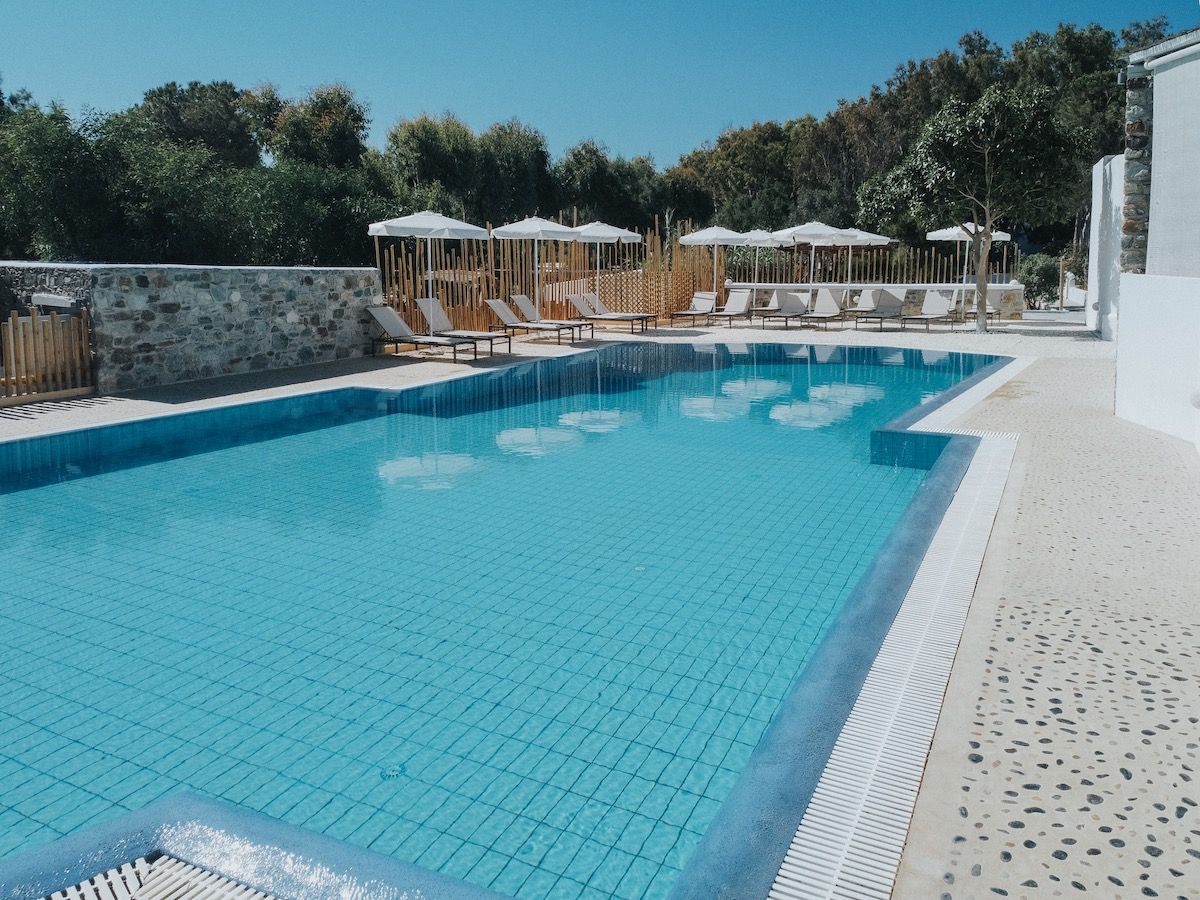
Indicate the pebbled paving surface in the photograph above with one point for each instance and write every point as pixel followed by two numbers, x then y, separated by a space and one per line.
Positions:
pixel 1067 758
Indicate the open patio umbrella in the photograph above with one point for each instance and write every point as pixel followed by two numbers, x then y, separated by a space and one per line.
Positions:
pixel 598 233
pixel 856 237
pixel 427 225
pixel 758 238
pixel 714 236
pixel 963 233
pixel 812 233
pixel 535 229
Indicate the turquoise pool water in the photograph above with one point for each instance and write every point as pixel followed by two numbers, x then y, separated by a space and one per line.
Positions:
pixel 524 628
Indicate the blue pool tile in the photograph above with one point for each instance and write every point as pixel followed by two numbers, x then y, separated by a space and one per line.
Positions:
pixel 490 631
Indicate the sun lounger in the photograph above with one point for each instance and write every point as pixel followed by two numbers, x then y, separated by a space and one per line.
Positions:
pixel 587 312
pixel 825 309
pixel 594 301
pixel 396 331
pixel 703 304
pixel 510 323
pixel 935 308
pixel 889 305
pixel 529 311
pixel 792 305
pixel 867 300
pixel 737 306
pixel 439 323
pixel 969 309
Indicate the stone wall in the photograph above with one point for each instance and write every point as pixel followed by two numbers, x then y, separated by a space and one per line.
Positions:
pixel 21 280
pixel 156 325
pixel 1139 122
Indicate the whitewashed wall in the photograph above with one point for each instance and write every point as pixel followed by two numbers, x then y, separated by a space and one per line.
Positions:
pixel 1104 251
pixel 1174 242
pixel 1158 355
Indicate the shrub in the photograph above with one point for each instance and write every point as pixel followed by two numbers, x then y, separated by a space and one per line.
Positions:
pixel 1039 273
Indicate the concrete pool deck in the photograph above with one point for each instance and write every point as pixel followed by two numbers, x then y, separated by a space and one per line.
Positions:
pixel 1064 753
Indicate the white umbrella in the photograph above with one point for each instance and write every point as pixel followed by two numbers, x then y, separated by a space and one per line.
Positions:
pixel 598 233
pixel 758 238
pixel 856 237
pixel 813 234
pixel 535 229
pixel 713 236
pixel 963 233
pixel 428 225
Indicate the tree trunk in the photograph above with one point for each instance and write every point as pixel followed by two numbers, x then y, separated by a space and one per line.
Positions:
pixel 981 245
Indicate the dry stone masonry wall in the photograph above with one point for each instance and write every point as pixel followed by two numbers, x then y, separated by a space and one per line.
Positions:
pixel 1139 122
pixel 20 281
pixel 156 325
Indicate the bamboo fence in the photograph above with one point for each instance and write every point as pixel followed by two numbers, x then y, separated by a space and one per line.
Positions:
pixel 658 275
pixel 869 265
pixel 45 358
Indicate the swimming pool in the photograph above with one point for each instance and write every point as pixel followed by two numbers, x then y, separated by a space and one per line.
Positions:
pixel 524 628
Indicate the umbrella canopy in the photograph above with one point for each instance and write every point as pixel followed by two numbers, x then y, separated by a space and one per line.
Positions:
pixel 427 225
pixel 535 229
pixel 856 237
pixel 713 236
pixel 599 233
pixel 962 233
pixel 758 238
pixel 814 234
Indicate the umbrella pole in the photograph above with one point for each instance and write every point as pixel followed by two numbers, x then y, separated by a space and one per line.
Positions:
pixel 597 269
pixel 812 262
pixel 754 295
pixel 537 279
pixel 428 267
pixel 716 290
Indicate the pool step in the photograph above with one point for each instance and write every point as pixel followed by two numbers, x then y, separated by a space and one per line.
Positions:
pixel 162 878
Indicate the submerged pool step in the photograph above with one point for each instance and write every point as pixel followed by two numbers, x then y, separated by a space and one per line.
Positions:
pixel 160 879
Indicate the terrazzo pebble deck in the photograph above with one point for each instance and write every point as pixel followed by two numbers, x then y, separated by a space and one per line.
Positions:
pixel 1066 760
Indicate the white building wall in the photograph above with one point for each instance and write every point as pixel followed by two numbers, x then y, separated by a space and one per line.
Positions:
pixel 1104 250
pixel 1158 355
pixel 1173 246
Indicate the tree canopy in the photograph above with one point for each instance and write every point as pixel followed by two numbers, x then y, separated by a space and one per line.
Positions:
pixel 1008 156
pixel 220 174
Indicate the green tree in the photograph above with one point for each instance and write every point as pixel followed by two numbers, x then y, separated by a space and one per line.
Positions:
pixel 594 186
pixel 326 128
pixel 1007 157
pixel 748 174
pixel 53 199
pixel 211 115
pixel 430 156
pixel 514 173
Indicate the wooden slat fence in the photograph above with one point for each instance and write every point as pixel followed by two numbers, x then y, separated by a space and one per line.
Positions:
pixel 657 275
pixel 45 357
pixel 878 265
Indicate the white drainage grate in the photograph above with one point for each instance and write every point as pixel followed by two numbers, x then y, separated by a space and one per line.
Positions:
pixel 849 843
pixel 161 879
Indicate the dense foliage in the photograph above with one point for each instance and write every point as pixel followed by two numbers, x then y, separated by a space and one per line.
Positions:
pixel 1039 274
pixel 219 174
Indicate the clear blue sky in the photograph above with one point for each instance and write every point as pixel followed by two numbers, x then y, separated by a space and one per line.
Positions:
pixel 641 77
